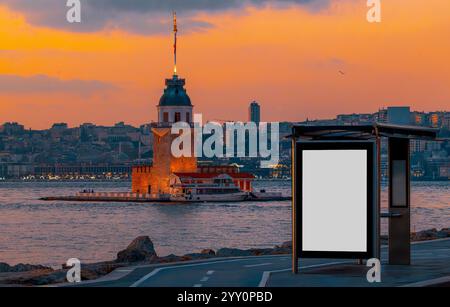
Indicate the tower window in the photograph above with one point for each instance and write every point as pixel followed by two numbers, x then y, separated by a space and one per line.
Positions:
pixel 177 117
pixel 188 117
pixel 166 117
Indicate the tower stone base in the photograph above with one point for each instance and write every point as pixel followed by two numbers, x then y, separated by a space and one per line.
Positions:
pixel 155 179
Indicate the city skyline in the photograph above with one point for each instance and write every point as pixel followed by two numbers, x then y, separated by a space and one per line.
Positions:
pixel 327 61
pixel 441 121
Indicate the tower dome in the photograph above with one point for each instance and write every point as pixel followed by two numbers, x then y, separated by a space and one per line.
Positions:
pixel 175 94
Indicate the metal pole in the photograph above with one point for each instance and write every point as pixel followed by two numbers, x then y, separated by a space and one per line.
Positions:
pixel 175 32
pixel 294 206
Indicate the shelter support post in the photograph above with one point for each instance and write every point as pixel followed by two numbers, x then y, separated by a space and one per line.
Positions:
pixel 294 208
pixel 399 202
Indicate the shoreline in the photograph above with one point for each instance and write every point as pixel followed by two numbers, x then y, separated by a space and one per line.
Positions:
pixel 383 182
pixel 141 251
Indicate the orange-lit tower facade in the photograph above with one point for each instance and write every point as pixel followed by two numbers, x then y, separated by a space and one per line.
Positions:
pixel 174 106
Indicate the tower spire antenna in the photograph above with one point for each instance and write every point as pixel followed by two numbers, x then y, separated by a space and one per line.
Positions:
pixel 175 33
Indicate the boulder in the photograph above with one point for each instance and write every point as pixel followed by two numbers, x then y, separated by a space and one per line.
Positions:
pixel 233 252
pixel 140 250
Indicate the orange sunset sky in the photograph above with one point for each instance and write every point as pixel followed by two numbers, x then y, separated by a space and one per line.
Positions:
pixel 285 54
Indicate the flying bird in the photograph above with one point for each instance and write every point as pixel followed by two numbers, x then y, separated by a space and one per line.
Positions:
pixel 342 73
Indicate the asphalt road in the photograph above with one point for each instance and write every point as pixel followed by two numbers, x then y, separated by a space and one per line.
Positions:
pixel 242 272
pixel 237 272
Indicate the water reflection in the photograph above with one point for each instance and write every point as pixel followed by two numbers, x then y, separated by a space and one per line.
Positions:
pixel 34 231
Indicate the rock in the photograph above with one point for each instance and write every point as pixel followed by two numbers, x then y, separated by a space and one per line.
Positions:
pixel 208 252
pixel 444 233
pixel 140 250
pixel 281 251
pixel 45 279
pixel 233 252
pixel 284 249
pixel 287 244
pixel 36 277
pixel 170 258
pixel 6 268
pixel 96 270
pixel 198 256
pixel 430 234
pixel 260 251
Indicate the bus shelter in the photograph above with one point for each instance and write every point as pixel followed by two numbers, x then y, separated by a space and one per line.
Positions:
pixel 336 178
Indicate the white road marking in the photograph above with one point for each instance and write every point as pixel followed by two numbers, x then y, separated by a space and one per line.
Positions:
pixel 210 272
pixel 156 271
pixel 266 274
pixel 204 279
pixel 256 265
pixel 197 286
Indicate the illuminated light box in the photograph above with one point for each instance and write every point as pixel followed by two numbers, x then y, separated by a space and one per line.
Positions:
pixel 335 199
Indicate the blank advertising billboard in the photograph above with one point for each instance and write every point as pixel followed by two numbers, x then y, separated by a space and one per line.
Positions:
pixel 334 195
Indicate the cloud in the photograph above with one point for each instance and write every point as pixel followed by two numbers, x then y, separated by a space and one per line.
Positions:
pixel 13 84
pixel 138 16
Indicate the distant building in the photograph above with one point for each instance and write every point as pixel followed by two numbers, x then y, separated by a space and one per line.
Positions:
pixel 435 119
pixel 399 115
pixel 81 170
pixel 12 128
pixel 254 113
pixel 420 118
pixel 446 121
pixel 59 126
pixel 381 116
pixel 57 130
pixel 444 171
pixel 418 146
pixel 354 119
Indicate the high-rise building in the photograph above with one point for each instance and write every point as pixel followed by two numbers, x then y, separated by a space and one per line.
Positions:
pixel 254 113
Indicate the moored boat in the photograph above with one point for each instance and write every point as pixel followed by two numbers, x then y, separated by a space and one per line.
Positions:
pixel 220 188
